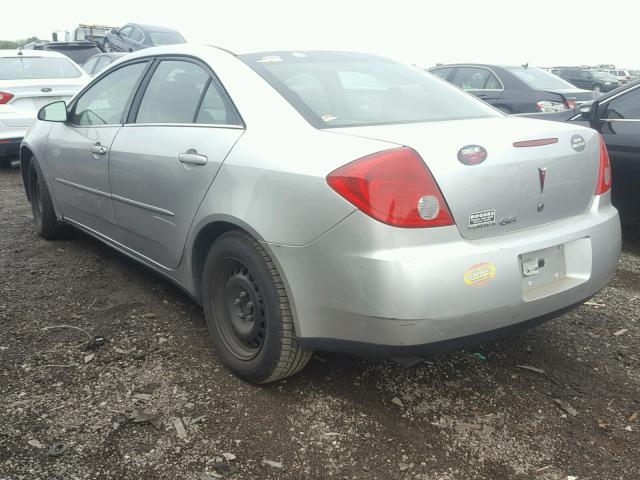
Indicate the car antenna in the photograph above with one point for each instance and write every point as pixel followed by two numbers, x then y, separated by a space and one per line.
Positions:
pixel 526 65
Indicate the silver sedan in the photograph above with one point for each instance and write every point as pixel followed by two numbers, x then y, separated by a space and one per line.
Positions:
pixel 327 201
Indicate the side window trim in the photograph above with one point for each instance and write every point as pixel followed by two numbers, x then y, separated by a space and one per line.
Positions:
pixel 72 106
pixel 608 101
pixel 213 78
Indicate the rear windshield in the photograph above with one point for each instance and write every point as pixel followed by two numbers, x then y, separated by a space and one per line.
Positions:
pixel 165 38
pixel 538 79
pixel 346 89
pixel 24 68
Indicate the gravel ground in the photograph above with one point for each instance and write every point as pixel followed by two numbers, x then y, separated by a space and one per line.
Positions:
pixel 154 402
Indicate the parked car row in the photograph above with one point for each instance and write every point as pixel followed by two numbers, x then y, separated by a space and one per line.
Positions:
pixel 370 208
pixel 514 89
pixel 595 80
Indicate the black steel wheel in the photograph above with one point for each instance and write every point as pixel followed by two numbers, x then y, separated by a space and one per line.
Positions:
pixel 248 312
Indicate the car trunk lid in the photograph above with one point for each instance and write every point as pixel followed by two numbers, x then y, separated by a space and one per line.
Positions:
pixel 514 187
pixel 31 95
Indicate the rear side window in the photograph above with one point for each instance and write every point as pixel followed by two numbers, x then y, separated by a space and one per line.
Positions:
pixel 105 101
pixel 335 89
pixel 174 93
pixel 471 78
pixel 103 62
pixel 215 108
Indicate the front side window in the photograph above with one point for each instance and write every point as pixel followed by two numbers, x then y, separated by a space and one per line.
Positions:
pixel 334 89
pixel 126 31
pixel 173 94
pixel 105 101
pixel 472 78
pixel 136 34
pixel 626 106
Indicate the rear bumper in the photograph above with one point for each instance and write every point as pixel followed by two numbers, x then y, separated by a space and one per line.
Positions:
pixel 368 288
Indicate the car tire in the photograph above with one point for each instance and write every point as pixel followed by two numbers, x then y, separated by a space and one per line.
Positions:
pixel 107 46
pixel 248 311
pixel 44 216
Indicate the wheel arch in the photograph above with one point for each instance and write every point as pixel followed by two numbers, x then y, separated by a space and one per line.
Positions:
pixel 208 232
pixel 26 159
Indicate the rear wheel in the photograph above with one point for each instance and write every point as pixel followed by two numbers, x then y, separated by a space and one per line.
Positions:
pixel 248 312
pixel 44 216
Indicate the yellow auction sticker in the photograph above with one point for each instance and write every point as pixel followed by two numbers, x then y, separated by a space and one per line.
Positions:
pixel 479 274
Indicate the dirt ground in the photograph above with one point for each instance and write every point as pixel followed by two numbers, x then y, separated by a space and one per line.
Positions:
pixel 154 402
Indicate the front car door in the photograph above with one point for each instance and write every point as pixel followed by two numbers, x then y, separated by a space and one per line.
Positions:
pixel 122 38
pixel 163 161
pixel 78 151
pixel 480 82
pixel 619 124
pixel 136 39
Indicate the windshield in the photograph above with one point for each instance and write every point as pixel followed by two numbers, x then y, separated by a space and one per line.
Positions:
pixel 24 68
pixel 166 38
pixel 539 79
pixel 332 89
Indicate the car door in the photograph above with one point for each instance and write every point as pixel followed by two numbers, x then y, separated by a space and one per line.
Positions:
pixel 135 39
pixel 78 151
pixel 122 38
pixel 479 81
pixel 163 161
pixel 619 124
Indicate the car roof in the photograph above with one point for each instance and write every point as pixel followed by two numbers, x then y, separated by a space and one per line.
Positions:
pixel 151 28
pixel 30 53
pixel 486 65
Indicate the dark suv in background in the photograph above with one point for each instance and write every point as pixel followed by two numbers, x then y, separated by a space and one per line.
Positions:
pixel 134 36
pixel 514 89
pixel 588 79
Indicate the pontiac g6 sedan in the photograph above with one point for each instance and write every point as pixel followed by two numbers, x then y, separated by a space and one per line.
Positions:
pixel 327 201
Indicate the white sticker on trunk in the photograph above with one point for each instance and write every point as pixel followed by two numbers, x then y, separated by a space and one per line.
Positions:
pixel 485 218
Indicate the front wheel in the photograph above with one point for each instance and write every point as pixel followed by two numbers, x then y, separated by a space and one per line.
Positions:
pixel 248 312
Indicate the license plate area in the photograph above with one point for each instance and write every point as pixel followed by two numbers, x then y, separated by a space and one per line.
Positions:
pixel 554 269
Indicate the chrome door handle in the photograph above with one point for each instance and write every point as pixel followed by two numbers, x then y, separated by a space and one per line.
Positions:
pixel 192 158
pixel 98 149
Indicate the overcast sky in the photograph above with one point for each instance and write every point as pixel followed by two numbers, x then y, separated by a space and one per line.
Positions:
pixel 541 32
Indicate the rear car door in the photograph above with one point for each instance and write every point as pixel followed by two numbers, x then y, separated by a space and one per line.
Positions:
pixel 619 124
pixel 479 81
pixel 78 151
pixel 163 161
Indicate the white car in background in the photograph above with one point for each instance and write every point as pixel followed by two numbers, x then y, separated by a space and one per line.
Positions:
pixel 30 79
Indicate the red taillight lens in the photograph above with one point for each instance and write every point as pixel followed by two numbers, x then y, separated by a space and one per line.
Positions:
pixel 604 172
pixel 5 97
pixel 570 104
pixel 394 187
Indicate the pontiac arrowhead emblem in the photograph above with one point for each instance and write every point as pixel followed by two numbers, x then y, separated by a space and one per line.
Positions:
pixel 542 174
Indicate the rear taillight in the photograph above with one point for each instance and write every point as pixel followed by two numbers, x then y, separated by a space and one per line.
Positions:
pixel 5 97
pixel 570 104
pixel 604 172
pixel 394 187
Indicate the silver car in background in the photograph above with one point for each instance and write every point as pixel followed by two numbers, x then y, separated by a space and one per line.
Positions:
pixel 327 201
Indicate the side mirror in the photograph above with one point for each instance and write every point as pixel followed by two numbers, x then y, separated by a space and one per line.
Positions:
pixel 589 111
pixel 54 112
